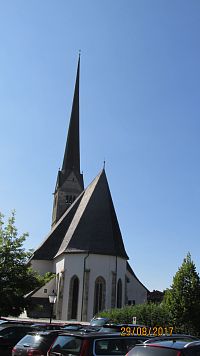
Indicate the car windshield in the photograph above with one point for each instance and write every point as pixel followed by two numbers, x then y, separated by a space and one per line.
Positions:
pixel 115 346
pixel 42 342
pixel 32 340
pixel 66 345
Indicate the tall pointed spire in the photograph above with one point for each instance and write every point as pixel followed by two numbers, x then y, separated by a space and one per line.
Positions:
pixel 71 159
pixel 69 181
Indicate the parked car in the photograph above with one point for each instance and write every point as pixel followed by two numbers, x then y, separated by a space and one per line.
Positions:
pixel 35 343
pixel 88 344
pixel 170 347
pixel 10 335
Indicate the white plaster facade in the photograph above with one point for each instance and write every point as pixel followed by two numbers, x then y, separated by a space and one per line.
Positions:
pixel 67 266
pixel 136 292
pixel 42 266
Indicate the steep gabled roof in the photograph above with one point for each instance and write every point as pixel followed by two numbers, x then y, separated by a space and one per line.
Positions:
pixel 94 227
pixel 49 247
pixel 89 225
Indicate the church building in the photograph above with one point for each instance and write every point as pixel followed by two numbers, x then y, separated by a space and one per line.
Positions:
pixel 84 248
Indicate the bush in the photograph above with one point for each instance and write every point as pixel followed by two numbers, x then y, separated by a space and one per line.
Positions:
pixel 146 314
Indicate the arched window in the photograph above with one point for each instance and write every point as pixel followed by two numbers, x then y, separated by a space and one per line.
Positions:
pixel 119 293
pixel 99 295
pixel 73 298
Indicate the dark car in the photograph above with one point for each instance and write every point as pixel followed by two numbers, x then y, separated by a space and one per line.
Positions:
pixel 170 347
pixel 10 335
pixel 35 343
pixel 88 344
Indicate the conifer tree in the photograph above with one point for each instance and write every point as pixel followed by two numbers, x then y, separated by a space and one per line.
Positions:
pixel 16 276
pixel 183 299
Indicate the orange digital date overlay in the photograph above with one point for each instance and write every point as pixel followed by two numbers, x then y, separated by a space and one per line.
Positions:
pixel 146 331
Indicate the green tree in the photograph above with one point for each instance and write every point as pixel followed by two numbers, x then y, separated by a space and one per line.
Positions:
pixel 16 276
pixel 183 298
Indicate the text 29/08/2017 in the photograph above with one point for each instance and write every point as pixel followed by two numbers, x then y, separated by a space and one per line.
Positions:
pixel 146 331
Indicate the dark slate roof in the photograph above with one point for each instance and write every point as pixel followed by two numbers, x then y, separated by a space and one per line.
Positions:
pixel 89 225
pixel 94 227
pixel 128 267
pixel 48 249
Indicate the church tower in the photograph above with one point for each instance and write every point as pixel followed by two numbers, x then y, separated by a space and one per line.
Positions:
pixel 69 181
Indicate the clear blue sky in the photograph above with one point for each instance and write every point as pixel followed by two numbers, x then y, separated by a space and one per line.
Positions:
pixel 139 102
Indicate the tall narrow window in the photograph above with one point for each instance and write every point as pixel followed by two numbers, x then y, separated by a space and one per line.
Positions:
pixel 119 293
pixel 99 295
pixel 73 298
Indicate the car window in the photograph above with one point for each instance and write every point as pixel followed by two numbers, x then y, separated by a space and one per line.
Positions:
pixel 66 345
pixel 109 347
pixel 131 342
pixel 43 342
pixel 30 340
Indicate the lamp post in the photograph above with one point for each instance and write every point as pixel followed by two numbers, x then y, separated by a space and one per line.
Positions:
pixel 52 300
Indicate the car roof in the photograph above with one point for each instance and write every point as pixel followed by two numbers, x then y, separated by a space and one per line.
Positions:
pixel 99 335
pixel 14 326
pixel 173 344
pixel 44 332
pixel 175 337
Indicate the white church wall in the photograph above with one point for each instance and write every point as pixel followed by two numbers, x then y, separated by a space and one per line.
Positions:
pixel 135 290
pixel 98 265
pixel 59 264
pixel 70 265
pixel 73 265
pixel 101 265
pixel 42 266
